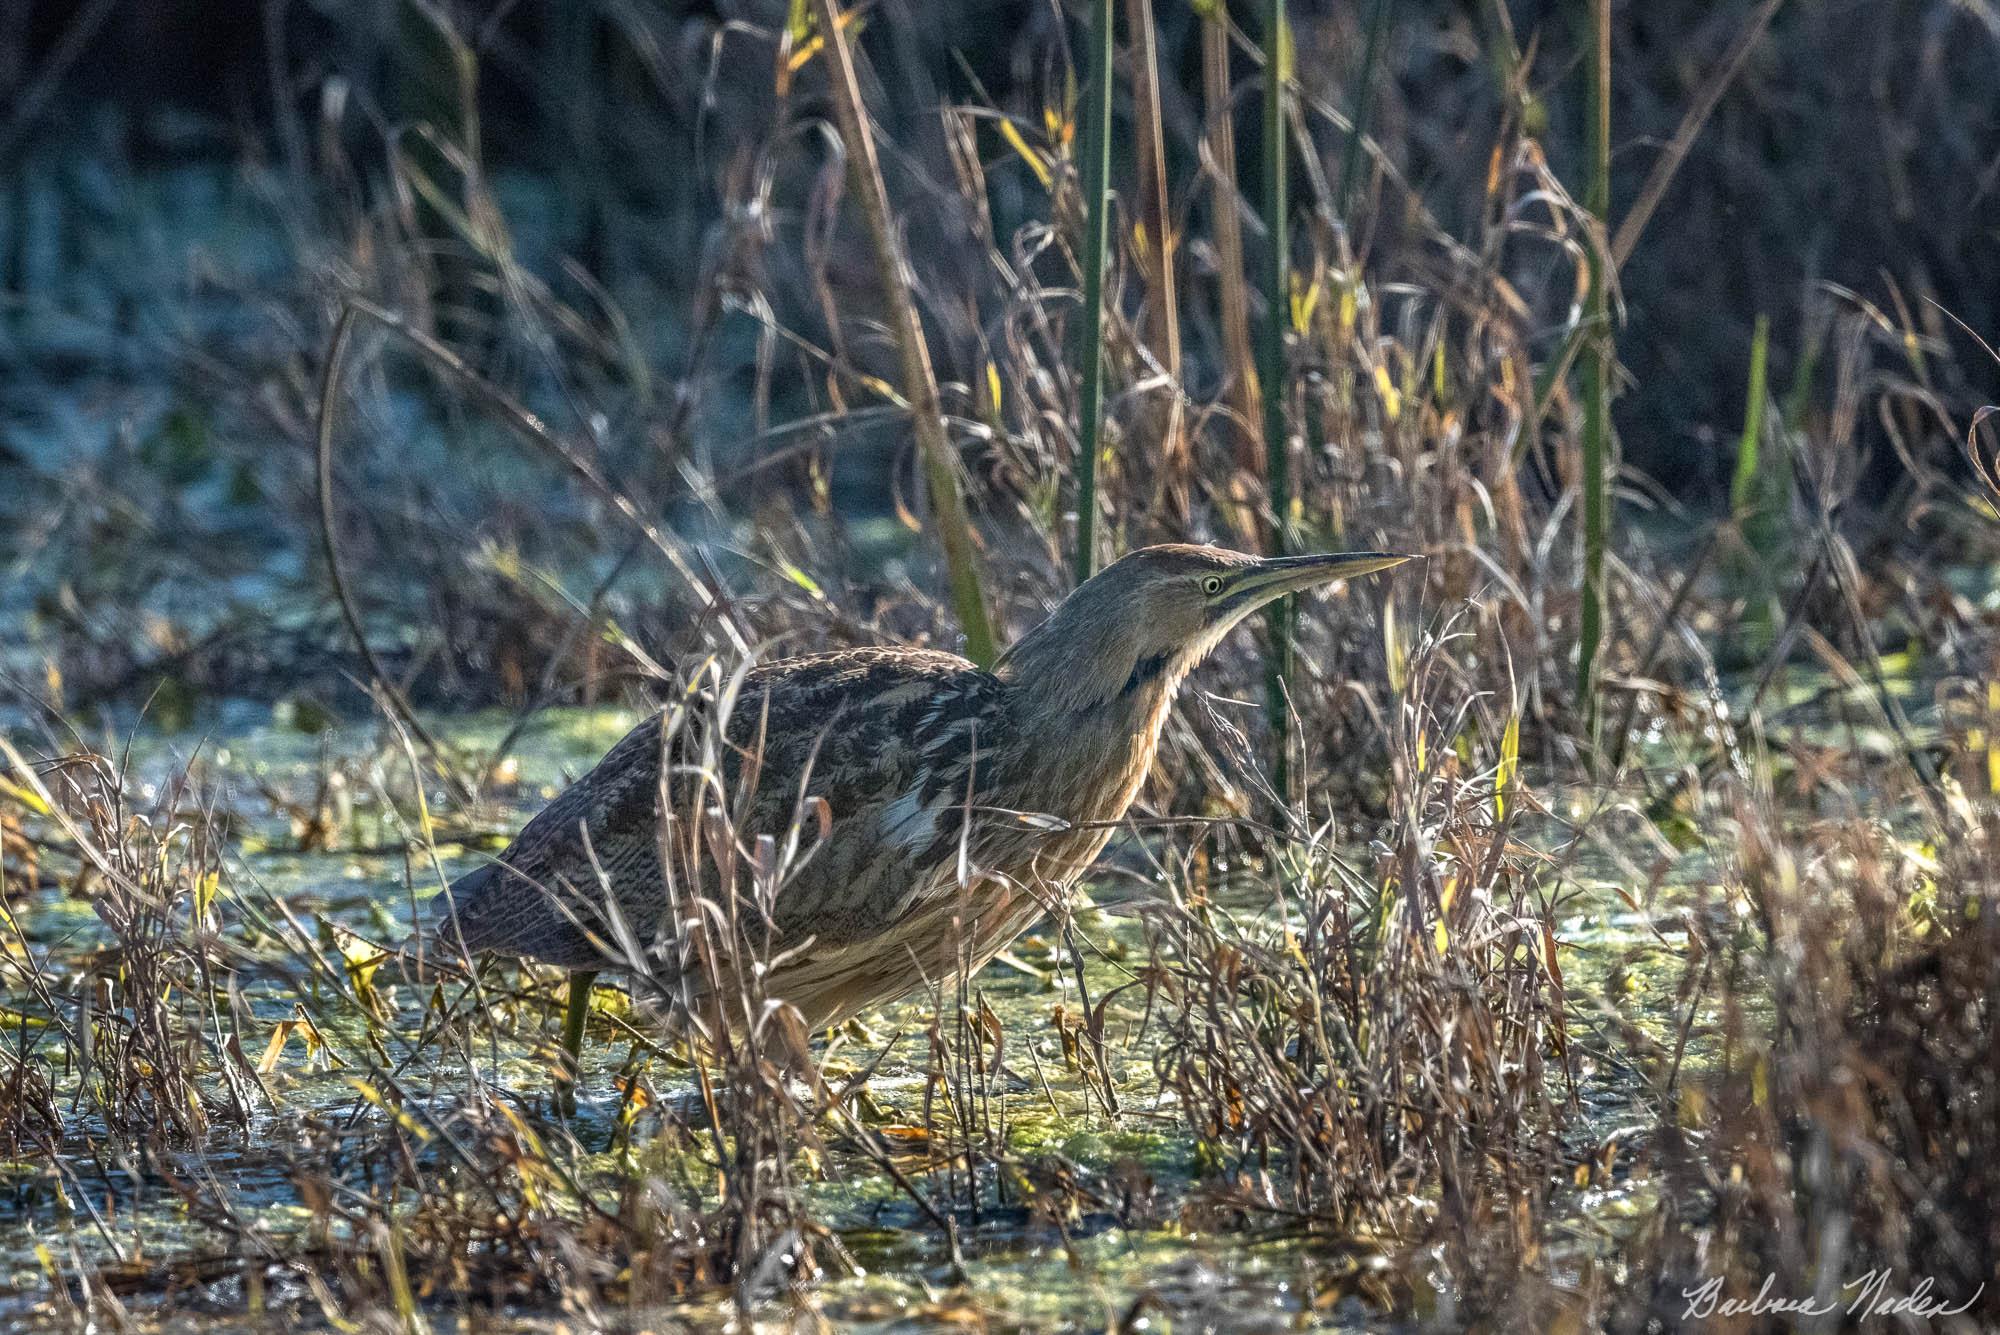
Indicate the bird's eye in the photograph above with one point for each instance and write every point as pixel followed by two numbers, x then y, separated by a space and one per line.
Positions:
pixel 1212 585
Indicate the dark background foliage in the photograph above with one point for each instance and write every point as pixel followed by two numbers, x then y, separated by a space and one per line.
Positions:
pixel 1859 148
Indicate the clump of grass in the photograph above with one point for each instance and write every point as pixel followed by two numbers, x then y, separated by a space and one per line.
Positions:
pixel 1379 1049
pixel 29 1116
pixel 142 1019
pixel 428 1186
pixel 1843 1131
pixel 703 1190
pixel 761 1093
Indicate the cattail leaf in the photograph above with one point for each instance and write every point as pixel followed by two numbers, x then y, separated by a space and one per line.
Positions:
pixel 1510 759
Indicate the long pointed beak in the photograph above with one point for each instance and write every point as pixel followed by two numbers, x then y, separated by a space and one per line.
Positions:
pixel 1280 575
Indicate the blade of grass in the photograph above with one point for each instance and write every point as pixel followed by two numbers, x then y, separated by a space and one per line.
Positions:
pixel 1271 365
pixel 919 381
pixel 1759 499
pixel 1096 229
pixel 1744 496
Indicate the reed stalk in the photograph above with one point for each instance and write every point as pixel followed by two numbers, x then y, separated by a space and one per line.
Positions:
pixel 1598 446
pixel 1232 280
pixel 1096 231
pixel 919 381
pixel 1271 368
pixel 1164 420
pixel 1358 110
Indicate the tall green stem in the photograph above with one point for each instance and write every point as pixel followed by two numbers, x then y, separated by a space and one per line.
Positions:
pixel 1232 278
pixel 1096 231
pixel 1271 364
pixel 1598 446
pixel 1745 496
pixel 1358 109
pixel 864 168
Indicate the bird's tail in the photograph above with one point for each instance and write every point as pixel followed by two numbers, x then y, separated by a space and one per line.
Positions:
pixel 455 925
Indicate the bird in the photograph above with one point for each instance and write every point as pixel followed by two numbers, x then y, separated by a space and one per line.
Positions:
pixel 947 806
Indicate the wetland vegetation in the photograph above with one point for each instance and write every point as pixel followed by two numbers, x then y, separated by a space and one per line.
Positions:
pixel 1594 926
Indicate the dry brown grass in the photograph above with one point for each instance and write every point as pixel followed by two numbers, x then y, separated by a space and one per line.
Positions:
pixel 1376 1047
pixel 1842 1128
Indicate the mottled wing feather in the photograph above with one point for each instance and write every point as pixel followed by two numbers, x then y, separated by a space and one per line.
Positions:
pixel 886 739
pixel 605 820
pixel 889 739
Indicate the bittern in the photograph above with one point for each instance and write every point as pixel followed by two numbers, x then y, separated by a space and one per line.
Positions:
pixel 958 803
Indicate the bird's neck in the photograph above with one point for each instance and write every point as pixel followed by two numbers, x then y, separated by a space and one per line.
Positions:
pixel 1091 700
pixel 1078 663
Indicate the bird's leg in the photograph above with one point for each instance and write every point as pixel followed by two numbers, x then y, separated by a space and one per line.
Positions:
pixel 574 1016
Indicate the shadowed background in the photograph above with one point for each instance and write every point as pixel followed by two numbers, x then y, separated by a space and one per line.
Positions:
pixel 1857 148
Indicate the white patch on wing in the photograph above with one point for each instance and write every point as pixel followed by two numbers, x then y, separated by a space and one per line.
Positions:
pixel 907 823
pixel 897 697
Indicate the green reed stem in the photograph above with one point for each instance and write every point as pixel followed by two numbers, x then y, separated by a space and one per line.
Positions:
pixel 1358 109
pixel 864 166
pixel 1598 446
pixel 1759 498
pixel 1096 233
pixel 1271 366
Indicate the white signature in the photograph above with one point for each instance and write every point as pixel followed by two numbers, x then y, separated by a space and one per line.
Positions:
pixel 1871 1298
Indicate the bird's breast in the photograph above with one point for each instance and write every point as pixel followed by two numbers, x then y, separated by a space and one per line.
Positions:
pixel 1092 772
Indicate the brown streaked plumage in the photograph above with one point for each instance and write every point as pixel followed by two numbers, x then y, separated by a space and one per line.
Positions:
pixel 926 765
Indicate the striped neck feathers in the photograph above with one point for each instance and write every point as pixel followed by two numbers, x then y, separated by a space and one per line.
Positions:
pixel 1084 664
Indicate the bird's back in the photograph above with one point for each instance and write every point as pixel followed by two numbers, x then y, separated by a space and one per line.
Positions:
pixel 884 750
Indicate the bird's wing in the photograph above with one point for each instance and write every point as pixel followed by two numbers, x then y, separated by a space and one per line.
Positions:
pixel 538 897
pixel 899 746
pixel 894 743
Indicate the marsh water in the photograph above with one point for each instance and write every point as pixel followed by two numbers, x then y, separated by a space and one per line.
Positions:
pixel 311 828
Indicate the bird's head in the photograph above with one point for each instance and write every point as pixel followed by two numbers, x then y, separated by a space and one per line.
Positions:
pixel 1148 618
